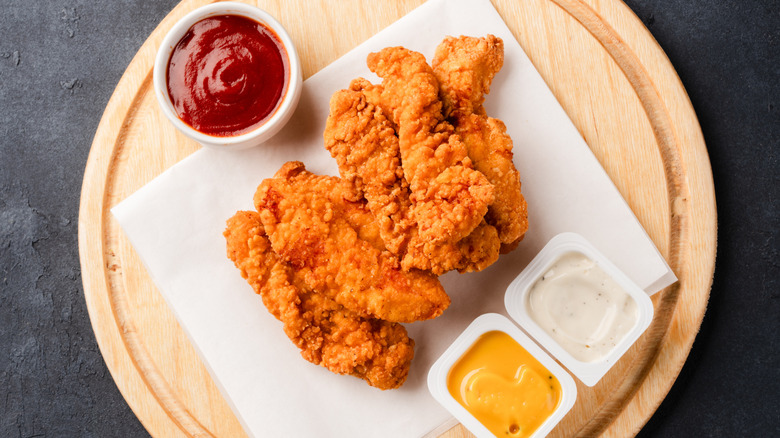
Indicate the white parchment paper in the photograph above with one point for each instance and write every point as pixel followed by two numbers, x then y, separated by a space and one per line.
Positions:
pixel 176 221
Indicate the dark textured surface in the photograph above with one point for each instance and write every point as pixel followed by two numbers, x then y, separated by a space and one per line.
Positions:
pixel 59 63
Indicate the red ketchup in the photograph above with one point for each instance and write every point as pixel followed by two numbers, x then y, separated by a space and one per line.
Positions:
pixel 227 75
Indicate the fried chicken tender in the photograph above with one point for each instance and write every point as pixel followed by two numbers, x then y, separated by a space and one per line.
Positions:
pixel 465 67
pixel 363 142
pixel 473 253
pixel 336 248
pixel 449 198
pixel 327 334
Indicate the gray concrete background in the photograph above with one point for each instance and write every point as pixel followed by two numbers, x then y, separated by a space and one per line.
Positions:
pixel 60 61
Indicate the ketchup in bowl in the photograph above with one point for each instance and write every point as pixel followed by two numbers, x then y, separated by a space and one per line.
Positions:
pixel 227 75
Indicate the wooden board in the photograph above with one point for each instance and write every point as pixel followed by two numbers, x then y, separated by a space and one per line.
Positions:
pixel 612 79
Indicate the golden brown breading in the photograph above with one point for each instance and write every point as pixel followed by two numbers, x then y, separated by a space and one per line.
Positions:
pixel 377 351
pixel 465 67
pixel 334 245
pixel 365 146
pixel 428 185
pixel 473 253
pixel 449 198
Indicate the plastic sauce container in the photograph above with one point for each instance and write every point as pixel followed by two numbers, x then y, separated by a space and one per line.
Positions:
pixel 495 386
pixel 580 307
pixel 497 382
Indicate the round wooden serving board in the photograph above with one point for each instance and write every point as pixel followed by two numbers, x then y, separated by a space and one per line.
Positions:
pixel 612 79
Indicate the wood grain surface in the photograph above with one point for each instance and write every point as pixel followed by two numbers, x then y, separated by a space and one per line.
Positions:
pixel 612 79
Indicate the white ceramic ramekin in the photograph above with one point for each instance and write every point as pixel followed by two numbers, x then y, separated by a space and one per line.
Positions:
pixel 283 112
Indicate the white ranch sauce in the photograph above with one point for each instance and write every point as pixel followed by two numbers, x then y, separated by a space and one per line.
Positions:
pixel 582 307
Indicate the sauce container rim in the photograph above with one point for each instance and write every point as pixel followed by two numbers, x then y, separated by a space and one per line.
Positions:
pixel 437 375
pixel 281 114
pixel 515 302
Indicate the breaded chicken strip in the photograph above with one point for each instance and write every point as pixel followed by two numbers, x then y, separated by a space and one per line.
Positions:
pixel 364 144
pixel 334 244
pixel 449 198
pixel 377 351
pixel 473 253
pixel 465 67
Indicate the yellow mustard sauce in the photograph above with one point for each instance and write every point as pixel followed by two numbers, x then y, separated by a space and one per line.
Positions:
pixel 503 386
